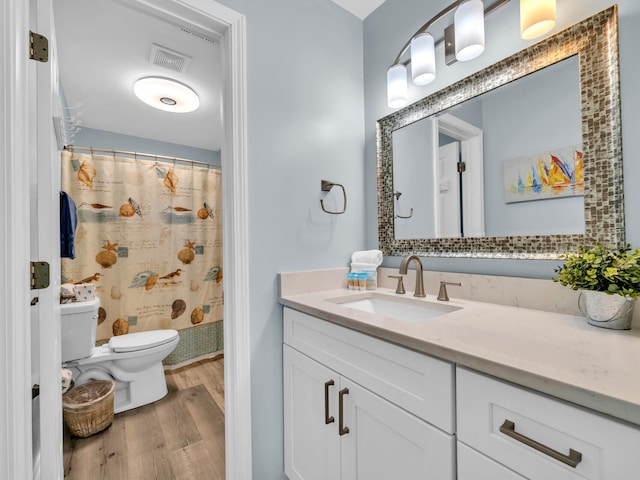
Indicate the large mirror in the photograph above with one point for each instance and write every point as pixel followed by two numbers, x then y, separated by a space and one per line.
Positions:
pixel 520 160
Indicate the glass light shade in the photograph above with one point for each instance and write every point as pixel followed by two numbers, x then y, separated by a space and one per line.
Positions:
pixel 166 94
pixel 537 17
pixel 423 59
pixel 397 89
pixel 468 22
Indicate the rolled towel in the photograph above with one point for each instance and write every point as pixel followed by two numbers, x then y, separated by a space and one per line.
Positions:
pixel 367 256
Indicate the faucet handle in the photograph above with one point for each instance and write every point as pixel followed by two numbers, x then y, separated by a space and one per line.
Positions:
pixel 442 293
pixel 400 288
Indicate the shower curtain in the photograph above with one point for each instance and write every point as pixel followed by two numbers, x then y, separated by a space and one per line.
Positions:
pixel 149 236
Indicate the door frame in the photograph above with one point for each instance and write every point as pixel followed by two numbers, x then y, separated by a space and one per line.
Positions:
pixel 15 329
pixel 15 334
pixel 471 148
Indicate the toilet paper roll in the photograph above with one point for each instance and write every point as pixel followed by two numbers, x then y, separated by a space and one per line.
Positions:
pixel 67 379
pixel 85 292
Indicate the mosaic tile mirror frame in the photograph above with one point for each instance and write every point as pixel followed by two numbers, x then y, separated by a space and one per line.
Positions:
pixel 595 42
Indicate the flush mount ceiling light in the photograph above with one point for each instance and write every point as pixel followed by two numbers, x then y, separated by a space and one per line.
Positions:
pixel 463 41
pixel 166 94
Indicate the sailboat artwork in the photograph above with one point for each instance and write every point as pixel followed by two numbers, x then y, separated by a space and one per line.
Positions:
pixel 550 174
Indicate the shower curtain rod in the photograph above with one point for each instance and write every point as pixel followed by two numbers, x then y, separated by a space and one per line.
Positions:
pixel 71 148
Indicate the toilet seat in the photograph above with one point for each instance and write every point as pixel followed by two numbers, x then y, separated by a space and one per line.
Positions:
pixel 132 342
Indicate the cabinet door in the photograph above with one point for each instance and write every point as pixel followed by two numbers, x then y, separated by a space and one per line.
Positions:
pixel 385 442
pixel 311 446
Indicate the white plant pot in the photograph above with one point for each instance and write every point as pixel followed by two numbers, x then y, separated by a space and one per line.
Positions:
pixel 606 311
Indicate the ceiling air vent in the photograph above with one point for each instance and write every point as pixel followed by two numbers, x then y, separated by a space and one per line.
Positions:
pixel 170 59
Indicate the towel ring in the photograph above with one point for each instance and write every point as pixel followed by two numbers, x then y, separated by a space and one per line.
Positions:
pixel 407 216
pixel 398 195
pixel 326 186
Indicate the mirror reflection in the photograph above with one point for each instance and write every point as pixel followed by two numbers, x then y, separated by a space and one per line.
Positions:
pixel 505 163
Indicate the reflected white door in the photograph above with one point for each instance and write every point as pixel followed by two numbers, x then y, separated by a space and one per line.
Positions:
pixel 448 191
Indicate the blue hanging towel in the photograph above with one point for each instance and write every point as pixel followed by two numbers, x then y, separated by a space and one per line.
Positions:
pixel 68 224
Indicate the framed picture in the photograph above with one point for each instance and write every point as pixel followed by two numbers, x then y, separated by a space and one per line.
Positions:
pixel 550 174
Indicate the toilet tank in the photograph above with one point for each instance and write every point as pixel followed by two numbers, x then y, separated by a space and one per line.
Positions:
pixel 79 321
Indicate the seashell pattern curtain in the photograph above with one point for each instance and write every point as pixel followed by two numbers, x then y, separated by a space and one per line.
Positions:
pixel 149 236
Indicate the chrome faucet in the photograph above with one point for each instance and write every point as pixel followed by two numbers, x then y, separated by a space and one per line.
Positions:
pixel 419 282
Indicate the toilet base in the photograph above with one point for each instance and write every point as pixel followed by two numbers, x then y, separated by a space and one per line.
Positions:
pixel 146 386
pixel 150 387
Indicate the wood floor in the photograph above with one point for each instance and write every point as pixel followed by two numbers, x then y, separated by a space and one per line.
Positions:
pixel 180 437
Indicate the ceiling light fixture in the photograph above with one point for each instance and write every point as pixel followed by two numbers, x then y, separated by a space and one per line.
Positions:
pixel 463 41
pixel 166 94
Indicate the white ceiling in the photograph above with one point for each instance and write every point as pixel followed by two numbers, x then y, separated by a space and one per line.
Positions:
pixel 360 8
pixel 104 47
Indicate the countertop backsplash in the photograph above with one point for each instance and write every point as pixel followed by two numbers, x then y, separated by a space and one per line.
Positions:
pixel 537 294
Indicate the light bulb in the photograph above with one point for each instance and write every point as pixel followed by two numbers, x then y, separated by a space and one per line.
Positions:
pixel 423 59
pixel 468 23
pixel 537 17
pixel 397 88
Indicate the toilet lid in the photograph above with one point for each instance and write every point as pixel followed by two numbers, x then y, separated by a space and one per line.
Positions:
pixel 141 340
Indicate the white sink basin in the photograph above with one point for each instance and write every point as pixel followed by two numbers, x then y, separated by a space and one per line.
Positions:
pixel 400 308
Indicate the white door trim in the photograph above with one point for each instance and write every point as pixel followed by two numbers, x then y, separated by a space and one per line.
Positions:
pixel 15 331
pixel 471 148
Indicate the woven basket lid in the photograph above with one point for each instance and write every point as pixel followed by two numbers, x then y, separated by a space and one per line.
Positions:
pixel 87 394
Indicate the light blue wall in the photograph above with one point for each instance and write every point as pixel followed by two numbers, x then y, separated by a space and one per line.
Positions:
pixel 89 137
pixel 305 123
pixel 395 21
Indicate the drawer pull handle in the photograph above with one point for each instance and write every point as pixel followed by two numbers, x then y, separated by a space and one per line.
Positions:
pixel 341 428
pixel 327 418
pixel 573 459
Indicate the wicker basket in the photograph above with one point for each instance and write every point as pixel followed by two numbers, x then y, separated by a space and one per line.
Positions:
pixel 88 408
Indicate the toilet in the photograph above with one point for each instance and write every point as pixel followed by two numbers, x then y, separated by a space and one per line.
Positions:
pixel 133 361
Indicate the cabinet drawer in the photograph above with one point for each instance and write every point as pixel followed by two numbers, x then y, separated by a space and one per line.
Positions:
pixel 418 383
pixel 473 465
pixel 513 426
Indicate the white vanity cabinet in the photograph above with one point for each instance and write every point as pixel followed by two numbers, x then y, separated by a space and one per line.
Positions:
pixel 537 437
pixel 336 427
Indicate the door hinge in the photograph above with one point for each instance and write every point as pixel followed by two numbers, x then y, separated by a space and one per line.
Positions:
pixel 462 167
pixel 38 47
pixel 39 275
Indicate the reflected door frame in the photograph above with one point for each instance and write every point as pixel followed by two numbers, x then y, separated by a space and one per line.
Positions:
pixel 471 148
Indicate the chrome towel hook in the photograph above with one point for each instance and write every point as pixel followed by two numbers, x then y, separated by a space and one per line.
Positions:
pixel 326 186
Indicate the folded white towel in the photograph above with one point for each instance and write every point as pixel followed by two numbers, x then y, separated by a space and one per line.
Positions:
pixel 363 267
pixel 367 256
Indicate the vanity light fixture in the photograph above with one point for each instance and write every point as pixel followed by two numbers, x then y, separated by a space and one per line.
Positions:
pixel 463 41
pixel 166 94
pixel 537 17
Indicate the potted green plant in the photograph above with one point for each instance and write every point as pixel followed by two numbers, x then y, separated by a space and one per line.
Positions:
pixel 608 281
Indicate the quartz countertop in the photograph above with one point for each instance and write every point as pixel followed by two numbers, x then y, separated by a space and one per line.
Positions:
pixel 557 354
